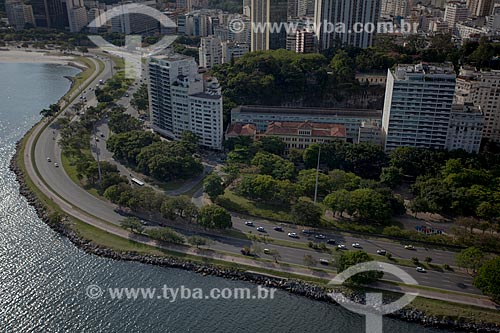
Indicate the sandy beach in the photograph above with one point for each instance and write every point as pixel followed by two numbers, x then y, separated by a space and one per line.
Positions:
pixel 35 56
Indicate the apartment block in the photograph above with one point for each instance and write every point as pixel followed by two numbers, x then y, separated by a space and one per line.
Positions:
pixel 182 99
pixel 466 128
pixel 417 106
pixel 482 89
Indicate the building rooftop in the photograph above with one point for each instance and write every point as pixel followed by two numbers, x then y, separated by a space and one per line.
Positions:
pixel 361 113
pixel 317 129
pixel 466 108
pixel 236 129
pixel 205 95
pixel 405 70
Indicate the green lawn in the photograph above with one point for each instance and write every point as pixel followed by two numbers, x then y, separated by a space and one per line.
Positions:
pixel 236 203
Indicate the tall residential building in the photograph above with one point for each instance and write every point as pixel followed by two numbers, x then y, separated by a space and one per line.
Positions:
pixel 265 15
pixel 181 99
pixel 455 12
pixel 417 106
pixel 396 8
pixel 130 22
pixel 184 5
pixel 77 15
pixel 480 8
pixel 352 14
pixel 482 89
pixel 210 52
pixel 466 128
pixel 233 50
pixel 95 14
pixel 49 13
pixel 19 14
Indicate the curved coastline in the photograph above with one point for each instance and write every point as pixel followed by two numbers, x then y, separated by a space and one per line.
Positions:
pixel 297 287
pixel 300 288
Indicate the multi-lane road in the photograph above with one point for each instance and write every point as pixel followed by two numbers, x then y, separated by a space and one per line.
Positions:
pixel 76 197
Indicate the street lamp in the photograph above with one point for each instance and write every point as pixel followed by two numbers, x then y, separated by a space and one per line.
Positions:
pixel 317 176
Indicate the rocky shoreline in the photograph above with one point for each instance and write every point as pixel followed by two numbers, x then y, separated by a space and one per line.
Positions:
pixel 293 286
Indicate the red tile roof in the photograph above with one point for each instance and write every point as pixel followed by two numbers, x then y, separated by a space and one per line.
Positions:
pixel 236 129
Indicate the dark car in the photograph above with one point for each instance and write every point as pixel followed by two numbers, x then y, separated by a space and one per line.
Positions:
pixel 331 241
pixel 280 229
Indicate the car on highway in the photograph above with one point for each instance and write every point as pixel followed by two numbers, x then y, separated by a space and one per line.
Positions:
pixel 267 251
pixel 249 223
pixel 293 235
pixel 331 241
pixel 261 229
pixel 56 165
pixel 324 261
pixel 280 229
pixel 48 159
pixel 356 245
pixel 307 232
pixel 126 95
pixel 381 252
pixel 102 135
pixel 409 247
pixel 421 269
pixel 341 247
pixel 320 236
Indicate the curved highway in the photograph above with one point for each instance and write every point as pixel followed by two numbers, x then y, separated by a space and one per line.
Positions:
pixel 79 201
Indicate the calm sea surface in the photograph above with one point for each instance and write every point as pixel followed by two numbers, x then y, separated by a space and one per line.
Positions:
pixel 43 276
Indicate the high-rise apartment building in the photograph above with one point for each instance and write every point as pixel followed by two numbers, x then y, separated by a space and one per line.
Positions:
pixel 233 50
pixel 479 8
pixel 266 18
pixel 19 14
pixel 482 89
pixel 455 12
pixel 354 15
pixel 210 51
pixel 417 106
pixel 49 13
pixel 181 99
pixel 77 15
pixel 466 128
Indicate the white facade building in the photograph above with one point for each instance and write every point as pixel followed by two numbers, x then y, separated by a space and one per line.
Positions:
pixel 77 15
pixel 454 13
pixel 482 89
pixel 210 51
pixel 465 129
pixel 181 99
pixel 417 106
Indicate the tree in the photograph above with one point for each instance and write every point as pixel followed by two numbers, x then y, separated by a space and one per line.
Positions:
pixel 368 204
pixel 488 277
pixel 307 213
pixel 351 258
pixel 391 176
pixel 52 110
pixel 309 260
pixel 338 201
pixel 470 258
pixel 165 235
pixel 212 185
pixel 133 224
pixel 271 144
pixel 214 217
pixel 274 165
